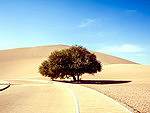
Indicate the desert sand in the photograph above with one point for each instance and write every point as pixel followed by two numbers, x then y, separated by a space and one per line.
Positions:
pixel 24 62
pixel 134 92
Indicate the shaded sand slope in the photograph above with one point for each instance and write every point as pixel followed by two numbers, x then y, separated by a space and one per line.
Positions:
pixel 24 62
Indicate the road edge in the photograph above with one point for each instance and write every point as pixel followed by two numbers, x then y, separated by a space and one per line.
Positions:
pixel 7 85
pixel 111 99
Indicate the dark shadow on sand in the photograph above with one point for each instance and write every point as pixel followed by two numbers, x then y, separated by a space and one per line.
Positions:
pixel 95 81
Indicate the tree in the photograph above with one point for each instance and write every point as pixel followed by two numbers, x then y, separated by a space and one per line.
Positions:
pixel 71 62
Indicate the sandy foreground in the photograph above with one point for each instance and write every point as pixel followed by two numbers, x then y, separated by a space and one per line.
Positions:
pixel 125 81
pixel 133 92
pixel 135 96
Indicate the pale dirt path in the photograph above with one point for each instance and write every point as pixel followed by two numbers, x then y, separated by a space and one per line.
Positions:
pixel 39 98
pixel 91 101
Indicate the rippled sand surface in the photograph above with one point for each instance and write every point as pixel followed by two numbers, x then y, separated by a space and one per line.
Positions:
pixel 134 95
pixel 134 92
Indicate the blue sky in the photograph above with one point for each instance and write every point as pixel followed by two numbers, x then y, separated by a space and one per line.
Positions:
pixel 116 27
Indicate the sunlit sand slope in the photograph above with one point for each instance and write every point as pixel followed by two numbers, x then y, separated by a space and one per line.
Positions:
pixel 29 52
pixel 24 62
pixel 108 59
pixel 122 72
pixel 44 51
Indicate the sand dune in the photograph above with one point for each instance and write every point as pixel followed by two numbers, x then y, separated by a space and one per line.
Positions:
pixel 29 52
pixel 109 59
pixel 22 68
pixel 44 51
pixel 24 62
pixel 132 72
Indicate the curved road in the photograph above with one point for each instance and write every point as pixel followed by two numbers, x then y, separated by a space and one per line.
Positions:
pixel 36 96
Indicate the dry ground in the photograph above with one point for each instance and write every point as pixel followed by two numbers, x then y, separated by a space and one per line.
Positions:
pixel 134 94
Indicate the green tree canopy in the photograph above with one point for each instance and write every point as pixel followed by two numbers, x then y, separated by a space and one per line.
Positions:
pixel 71 62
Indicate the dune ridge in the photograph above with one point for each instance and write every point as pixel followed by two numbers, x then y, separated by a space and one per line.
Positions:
pixel 44 51
pixel 24 62
pixel 28 52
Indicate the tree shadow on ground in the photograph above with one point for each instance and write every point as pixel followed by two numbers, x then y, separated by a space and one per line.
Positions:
pixel 95 81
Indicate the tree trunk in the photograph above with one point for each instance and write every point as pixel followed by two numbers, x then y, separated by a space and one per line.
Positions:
pixel 74 78
pixel 78 78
